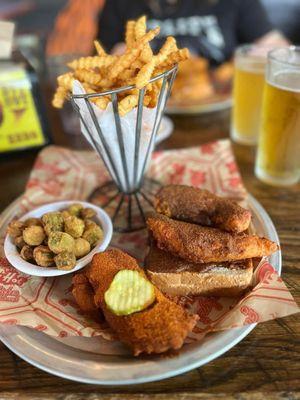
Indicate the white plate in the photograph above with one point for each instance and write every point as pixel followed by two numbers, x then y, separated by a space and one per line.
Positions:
pixel 13 255
pixel 89 360
pixel 202 108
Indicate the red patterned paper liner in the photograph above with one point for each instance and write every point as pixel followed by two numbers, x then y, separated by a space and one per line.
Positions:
pixel 47 305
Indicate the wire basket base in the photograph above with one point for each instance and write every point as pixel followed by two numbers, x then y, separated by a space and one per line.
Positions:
pixel 127 211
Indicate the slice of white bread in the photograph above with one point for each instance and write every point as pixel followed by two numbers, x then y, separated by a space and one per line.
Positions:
pixel 177 277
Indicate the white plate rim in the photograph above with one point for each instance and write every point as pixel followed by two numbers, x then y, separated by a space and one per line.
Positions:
pixel 239 333
pixel 199 109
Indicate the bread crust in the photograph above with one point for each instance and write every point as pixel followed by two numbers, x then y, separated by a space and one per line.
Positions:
pixel 177 277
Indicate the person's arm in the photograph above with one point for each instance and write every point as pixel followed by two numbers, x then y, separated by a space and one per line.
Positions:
pixel 111 24
pixel 253 25
pixel 273 39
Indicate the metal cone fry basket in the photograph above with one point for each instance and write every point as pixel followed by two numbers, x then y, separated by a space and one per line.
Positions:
pixel 128 196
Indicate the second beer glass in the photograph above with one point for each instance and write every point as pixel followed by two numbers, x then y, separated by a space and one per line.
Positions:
pixel 278 156
pixel 249 68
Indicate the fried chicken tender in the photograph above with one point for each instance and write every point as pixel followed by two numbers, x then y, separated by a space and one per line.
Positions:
pixel 84 295
pixel 201 244
pixel 199 206
pixel 160 327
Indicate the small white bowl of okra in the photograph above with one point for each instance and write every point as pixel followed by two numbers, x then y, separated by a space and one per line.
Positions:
pixel 57 238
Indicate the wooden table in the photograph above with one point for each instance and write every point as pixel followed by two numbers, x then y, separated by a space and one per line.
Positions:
pixel 265 365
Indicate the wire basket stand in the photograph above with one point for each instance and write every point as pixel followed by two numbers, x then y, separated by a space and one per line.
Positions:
pixel 129 195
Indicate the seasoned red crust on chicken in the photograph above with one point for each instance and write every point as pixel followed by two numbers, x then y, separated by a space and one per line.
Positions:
pixel 162 326
pixel 201 207
pixel 201 244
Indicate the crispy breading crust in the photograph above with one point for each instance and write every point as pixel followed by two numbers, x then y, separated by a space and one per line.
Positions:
pixel 199 206
pixel 202 244
pixel 84 295
pixel 162 326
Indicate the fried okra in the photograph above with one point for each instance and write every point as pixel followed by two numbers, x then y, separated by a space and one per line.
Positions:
pixel 65 214
pixel 27 253
pixel 74 226
pixel 87 213
pixel 93 234
pixel 71 231
pixel 19 242
pixel 75 209
pixel 53 222
pixel 33 222
pixel 65 260
pixel 89 223
pixel 60 241
pixel 15 228
pixel 34 235
pixel 43 256
pixel 82 247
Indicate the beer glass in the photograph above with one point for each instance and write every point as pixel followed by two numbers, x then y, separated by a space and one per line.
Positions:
pixel 249 69
pixel 278 155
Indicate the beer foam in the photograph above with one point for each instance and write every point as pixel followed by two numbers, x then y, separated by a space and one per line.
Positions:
pixel 252 66
pixel 286 80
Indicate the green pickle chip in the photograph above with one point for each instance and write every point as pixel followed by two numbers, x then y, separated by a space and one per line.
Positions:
pixel 129 292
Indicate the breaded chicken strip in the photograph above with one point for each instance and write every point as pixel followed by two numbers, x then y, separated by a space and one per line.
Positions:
pixel 160 327
pixel 200 244
pixel 199 206
pixel 84 295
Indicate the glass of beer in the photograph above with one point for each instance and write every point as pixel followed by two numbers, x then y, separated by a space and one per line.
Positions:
pixel 278 155
pixel 249 70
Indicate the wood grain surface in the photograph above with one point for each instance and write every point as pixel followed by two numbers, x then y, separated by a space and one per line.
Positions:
pixel 265 365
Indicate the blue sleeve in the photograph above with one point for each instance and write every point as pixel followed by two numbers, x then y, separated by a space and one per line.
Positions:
pixel 252 21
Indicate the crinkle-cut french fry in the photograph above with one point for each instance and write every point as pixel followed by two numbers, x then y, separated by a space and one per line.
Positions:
pixel 130 33
pixel 149 87
pixel 66 80
pixel 137 64
pixel 92 62
pixel 99 49
pixel 174 58
pixel 148 36
pixel 135 67
pixel 126 59
pixel 132 91
pixel 59 97
pixel 127 104
pixel 147 100
pixel 145 73
pixel 87 76
pixel 131 71
pixel 154 93
pixel 158 83
pixel 101 102
pixel 146 53
pixel 123 63
pixel 128 74
pixel 140 27
pixel 140 31
pixel 129 292
pixel 106 84
pixel 168 47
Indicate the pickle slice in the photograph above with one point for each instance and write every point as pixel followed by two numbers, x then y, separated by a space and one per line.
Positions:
pixel 129 292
